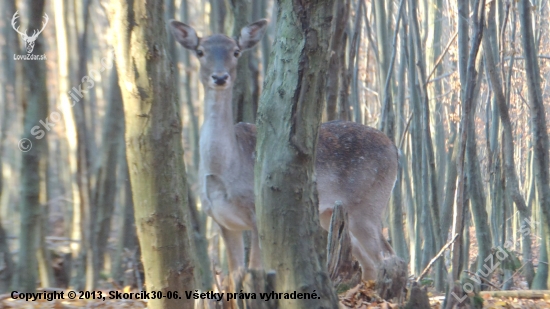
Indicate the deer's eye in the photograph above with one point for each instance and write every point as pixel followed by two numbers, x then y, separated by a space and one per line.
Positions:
pixel 200 53
pixel 237 53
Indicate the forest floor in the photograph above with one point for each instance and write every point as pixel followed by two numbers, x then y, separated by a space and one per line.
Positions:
pixel 362 296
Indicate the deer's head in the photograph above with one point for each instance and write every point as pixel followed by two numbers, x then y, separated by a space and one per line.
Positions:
pixel 29 40
pixel 218 53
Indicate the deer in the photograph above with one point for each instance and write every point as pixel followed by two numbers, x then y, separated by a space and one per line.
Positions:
pixel 29 40
pixel 355 165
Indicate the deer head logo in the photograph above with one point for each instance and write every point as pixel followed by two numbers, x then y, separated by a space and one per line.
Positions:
pixel 29 40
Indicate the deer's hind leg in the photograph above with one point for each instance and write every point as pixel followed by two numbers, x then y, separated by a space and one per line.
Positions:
pixel 366 246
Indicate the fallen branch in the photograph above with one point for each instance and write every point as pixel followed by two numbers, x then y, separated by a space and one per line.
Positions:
pixel 438 255
pixel 529 294
pixel 482 278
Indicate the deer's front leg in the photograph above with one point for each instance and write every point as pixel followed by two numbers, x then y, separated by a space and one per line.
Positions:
pixel 235 249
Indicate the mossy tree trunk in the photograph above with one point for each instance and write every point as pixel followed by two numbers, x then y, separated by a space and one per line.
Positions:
pixel 288 119
pixel 154 148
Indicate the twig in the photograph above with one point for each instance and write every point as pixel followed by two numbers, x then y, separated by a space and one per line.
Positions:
pixel 440 58
pixel 405 131
pixel 438 255
pixel 486 281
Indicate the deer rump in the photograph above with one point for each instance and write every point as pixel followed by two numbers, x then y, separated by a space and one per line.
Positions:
pixel 355 165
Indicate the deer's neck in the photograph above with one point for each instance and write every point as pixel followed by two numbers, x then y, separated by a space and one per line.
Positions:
pixel 218 144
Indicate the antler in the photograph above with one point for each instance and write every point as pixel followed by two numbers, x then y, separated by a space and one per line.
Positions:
pixel 16 16
pixel 34 33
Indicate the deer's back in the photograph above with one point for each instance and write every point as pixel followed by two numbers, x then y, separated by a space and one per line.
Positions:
pixel 351 150
pixel 346 150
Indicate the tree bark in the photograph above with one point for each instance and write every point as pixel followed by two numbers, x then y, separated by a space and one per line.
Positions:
pixel 154 149
pixel 337 50
pixel 33 171
pixel 288 120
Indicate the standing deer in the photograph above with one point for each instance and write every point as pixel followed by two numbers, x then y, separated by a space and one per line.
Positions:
pixel 356 165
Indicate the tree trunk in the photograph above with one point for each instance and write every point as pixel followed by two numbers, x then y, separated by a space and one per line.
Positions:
pixel 65 47
pixel 7 101
pixel 154 149
pixel 512 183
pixel 106 178
pixel 337 48
pixel 244 108
pixel 84 145
pixel 467 99
pixel 127 239
pixel 429 173
pixel 203 273
pixel 35 158
pixel 538 118
pixel 399 243
pixel 475 183
pixel 288 120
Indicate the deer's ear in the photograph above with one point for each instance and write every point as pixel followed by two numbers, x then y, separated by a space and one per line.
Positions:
pixel 184 34
pixel 252 34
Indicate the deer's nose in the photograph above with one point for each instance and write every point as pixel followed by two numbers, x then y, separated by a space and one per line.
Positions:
pixel 220 79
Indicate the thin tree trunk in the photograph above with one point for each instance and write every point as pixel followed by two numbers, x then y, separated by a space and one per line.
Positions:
pixel 475 183
pixel 244 108
pixel 65 47
pixel 429 170
pixel 293 245
pixel 512 183
pixel 106 179
pixel 154 149
pixel 538 118
pixel 478 19
pixel 127 238
pixel 217 16
pixel 193 130
pixel 416 149
pixel 203 274
pixel 397 230
pixel 337 48
pixel 33 171
pixel 7 101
